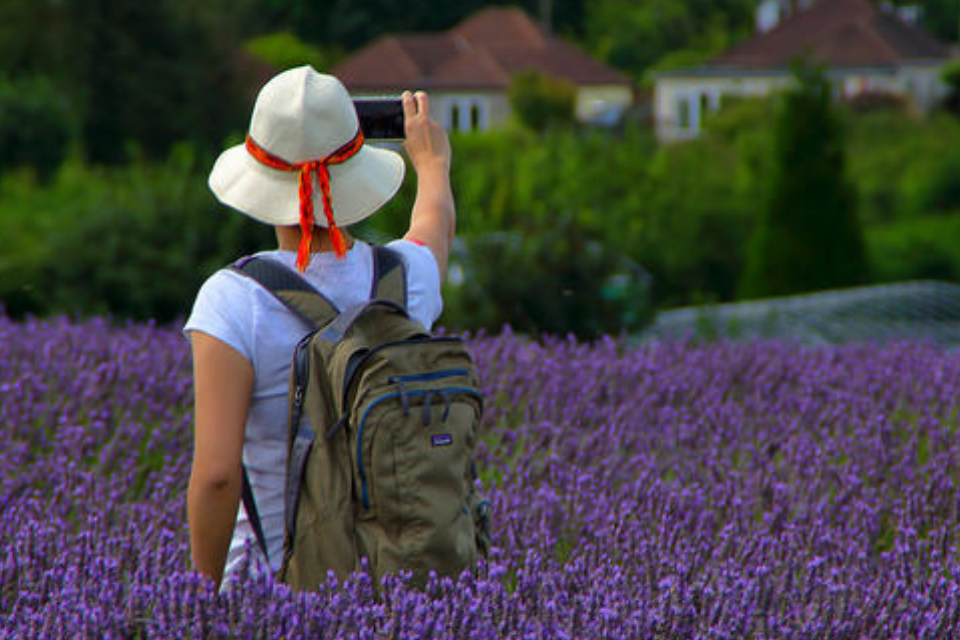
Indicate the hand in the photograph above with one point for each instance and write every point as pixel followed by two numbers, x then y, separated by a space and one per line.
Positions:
pixel 427 143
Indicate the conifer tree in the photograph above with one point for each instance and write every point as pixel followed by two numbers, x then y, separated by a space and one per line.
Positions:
pixel 808 236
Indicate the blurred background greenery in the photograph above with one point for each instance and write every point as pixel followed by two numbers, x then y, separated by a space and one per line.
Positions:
pixel 112 112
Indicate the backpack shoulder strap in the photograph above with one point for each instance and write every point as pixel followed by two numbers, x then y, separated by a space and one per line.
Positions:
pixel 389 276
pixel 288 287
pixel 253 515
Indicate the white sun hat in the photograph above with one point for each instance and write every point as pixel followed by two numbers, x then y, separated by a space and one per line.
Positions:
pixel 303 117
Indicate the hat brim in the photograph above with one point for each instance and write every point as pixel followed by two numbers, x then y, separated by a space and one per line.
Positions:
pixel 358 186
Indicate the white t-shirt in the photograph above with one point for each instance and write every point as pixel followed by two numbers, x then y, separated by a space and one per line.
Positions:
pixel 236 310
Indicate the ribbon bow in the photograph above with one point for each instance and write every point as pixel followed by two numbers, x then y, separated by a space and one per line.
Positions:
pixel 307 170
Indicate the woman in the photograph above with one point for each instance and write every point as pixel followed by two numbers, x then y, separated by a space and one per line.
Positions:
pixel 305 170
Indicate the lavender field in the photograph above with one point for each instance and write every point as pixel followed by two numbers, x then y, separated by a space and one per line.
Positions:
pixel 663 491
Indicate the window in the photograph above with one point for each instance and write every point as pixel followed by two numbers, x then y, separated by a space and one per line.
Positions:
pixel 692 107
pixel 467 114
pixel 684 113
pixel 475 117
pixel 454 117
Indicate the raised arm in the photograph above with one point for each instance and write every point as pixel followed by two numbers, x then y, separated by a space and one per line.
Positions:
pixel 433 220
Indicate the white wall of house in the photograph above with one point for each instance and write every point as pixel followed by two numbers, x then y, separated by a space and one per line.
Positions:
pixel 923 83
pixel 483 110
pixel 682 102
pixel 469 110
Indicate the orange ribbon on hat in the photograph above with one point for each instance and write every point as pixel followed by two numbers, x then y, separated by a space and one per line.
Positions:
pixel 307 171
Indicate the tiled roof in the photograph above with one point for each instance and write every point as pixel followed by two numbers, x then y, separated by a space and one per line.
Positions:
pixel 483 51
pixel 838 33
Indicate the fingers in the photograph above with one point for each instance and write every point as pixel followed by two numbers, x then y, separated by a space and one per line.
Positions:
pixel 423 103
pixel 415 104
pixel 409 105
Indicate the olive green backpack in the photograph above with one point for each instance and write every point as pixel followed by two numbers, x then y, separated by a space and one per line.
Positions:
pixel 383 423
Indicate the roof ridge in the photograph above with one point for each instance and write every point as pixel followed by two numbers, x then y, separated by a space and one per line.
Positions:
pixel 482 51
pixel 883 36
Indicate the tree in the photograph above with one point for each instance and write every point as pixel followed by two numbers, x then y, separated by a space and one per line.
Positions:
pixel 35 125
pixel 284 50
pixel 808 236
pixel 142 74
pixel 353 23
pixel 634 35
pixel 939 17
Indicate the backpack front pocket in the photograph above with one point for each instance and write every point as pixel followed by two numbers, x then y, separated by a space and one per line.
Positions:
pixel 413 455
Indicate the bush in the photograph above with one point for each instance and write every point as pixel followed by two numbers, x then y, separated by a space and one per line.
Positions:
pixel 36 126
pixel 950 74
pixel 135 242
pixel 903 166
pixel 868 101
pixel 541 102
pixel 936 188
pixel 695 220
pixel 551 281
pixel 918 248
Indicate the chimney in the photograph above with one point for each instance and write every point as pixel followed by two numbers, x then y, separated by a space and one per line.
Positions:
pixel 911 14
pixel 546 15
pixel 770 13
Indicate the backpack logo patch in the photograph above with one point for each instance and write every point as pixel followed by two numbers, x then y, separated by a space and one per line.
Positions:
pixel 441 440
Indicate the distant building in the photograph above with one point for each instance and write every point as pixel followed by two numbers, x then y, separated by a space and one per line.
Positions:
pixel 468 69
pixel 867 49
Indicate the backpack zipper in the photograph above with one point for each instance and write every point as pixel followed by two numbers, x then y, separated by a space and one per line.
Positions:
pixel 301 363
pixel 364 493
pixel 433 375
pixel 419 339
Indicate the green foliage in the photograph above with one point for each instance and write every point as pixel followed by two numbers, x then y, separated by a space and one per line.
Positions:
pixel 696 220
pixel 551 227
pixel 135 74
pixel 283 50
pixel 135 242
pixel 541 102
pixel 950 74
pixel 353 23
pixel 149 78
pixel 918 248
pixel 36 126
pixel 559 208
pixel 554 280
pixel 904 166
pixel 634 36
pixel 808 236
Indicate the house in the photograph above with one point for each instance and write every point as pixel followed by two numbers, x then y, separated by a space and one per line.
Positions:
pixel 468 69
pixel 866 49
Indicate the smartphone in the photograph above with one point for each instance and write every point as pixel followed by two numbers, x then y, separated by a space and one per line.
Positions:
pixel 380 118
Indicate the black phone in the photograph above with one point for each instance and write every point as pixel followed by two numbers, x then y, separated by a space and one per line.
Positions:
pixel 380 118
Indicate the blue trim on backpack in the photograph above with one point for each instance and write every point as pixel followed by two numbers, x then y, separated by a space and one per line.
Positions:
pixel 433 375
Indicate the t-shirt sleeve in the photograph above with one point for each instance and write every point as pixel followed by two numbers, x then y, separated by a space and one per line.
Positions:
pixel 221 310
pixel 424 298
